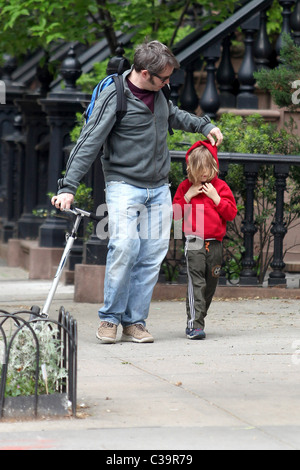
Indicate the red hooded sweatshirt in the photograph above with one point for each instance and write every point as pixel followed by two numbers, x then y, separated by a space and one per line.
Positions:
pixel 201 217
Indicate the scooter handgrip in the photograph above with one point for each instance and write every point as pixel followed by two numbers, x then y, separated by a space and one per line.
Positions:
pixel 95 217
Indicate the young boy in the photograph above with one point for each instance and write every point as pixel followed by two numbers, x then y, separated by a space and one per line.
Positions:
pixel 205 203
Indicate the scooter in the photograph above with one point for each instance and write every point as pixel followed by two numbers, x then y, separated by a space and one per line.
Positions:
pixel 80 214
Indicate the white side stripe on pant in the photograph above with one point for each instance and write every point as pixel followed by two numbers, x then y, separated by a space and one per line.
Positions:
pixel 190 289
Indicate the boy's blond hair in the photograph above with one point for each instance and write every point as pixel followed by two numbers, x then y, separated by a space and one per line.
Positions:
pixel 200 160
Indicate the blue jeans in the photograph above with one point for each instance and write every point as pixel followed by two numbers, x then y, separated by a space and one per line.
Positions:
pixel 139 231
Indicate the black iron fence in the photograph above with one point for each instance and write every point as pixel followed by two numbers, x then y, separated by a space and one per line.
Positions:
pixel 224 87
pixel 31 350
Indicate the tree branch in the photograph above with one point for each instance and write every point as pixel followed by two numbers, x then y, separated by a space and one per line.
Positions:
pixel 185 8
pixel 106 22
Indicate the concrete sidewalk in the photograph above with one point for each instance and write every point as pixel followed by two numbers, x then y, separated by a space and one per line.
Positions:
pixel 237 390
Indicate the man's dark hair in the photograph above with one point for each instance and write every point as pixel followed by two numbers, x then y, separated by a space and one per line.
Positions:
pixel 154 57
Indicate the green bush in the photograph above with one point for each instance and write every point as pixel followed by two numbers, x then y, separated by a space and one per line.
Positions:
pixel 279 81
pixel 22 362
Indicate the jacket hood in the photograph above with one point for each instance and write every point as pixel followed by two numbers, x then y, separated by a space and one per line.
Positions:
pixel 212 148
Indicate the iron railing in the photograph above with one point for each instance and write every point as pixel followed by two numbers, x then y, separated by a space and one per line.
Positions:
pixel 64 333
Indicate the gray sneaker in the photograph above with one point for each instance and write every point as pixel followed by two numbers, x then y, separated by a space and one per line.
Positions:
pixel 107 332
pixel 137 334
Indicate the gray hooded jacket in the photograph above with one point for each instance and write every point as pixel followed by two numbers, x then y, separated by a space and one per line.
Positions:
pixel 134 151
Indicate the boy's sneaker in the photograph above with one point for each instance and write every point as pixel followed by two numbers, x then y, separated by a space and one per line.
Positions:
pixel 107 332
pixel 137 334
pixel 195 333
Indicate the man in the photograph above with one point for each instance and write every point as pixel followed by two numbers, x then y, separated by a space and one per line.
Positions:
pixel 136 164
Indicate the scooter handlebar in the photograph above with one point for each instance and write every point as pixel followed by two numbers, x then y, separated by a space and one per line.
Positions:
pixel 77 211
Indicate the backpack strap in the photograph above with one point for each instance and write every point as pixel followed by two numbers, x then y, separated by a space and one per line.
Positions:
pixel 96 92
pixel 121 98
pixel 167 93
pixel 122 66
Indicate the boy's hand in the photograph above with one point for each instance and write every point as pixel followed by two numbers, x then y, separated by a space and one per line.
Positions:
pixel 210 191
pixel 193 191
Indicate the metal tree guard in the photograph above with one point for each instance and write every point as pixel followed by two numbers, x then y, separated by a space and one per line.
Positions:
pixel 67 337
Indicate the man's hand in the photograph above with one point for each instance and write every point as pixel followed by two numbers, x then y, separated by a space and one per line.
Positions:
pixel 215 132
pixel 63 201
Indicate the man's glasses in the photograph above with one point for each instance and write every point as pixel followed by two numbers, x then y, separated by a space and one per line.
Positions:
pixel 163 79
